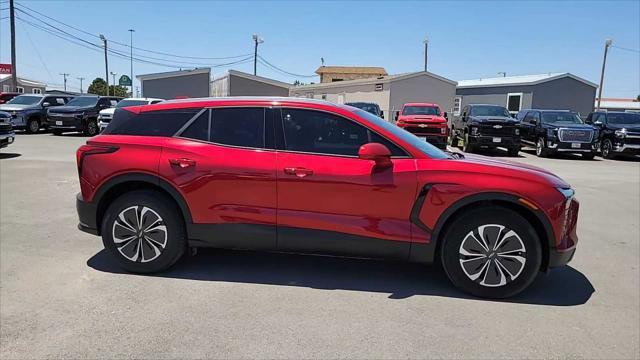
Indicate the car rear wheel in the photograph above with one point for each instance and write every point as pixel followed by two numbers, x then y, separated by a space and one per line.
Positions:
pixel 33 126
pixel 491 252
pixel 143 232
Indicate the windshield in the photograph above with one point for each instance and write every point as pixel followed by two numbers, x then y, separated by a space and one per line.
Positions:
pixel 623 118
pixel 372 108
pixel 489 110
pixel 124 103
pixel 420 110
pixel 426 148
pixel 563 117
pixel 83 101
pixel 25 100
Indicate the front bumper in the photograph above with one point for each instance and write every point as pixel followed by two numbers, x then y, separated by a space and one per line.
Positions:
pixel 64 122
pixel 494 141
pixel 629 149
pixel 568 147
pixel 87 212
pixel 7 139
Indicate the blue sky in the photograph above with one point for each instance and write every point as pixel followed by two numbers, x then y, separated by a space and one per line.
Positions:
pixel 467 39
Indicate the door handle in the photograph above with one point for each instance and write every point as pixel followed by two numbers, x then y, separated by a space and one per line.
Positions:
pixel 182 162
pixel 299 172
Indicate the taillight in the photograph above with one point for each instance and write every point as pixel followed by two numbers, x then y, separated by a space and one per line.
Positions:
pixel 92 149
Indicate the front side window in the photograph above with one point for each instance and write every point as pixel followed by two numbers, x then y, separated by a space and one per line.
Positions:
pixel 421 110
pixel 323 133
pixel 238 127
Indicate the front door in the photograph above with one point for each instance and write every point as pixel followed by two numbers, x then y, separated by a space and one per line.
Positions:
pixel 226 173
pixel 331 201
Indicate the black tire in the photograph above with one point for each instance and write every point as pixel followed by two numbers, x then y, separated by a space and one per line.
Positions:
pixel 588 156
pixel 173 235
pixel 606 148
pixel 513 152
pixel 453 140
pixel 33 126
pixel 91 128
pixel 491 218
pixel 467 147
pixel 56 132
pixel 541 148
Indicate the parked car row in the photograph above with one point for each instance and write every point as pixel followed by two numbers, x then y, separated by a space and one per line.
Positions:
pixel 549 132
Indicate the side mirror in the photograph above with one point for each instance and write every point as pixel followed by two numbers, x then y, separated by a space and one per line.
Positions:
pixel 534 121
pixel 375 152
pixel 45 104
pixel 464 117
pixel 396 116
pixel 381 114
pixel 446 116
pixel 598 123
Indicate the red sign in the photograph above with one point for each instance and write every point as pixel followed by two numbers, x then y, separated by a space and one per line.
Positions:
pixel 5 68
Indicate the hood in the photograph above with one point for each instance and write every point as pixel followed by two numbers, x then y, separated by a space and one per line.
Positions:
pixel 494 119
pixel 69 109
pixel 16 107
pixel 422 118
pixel 630 127
pixel 515 169
pixel 108 111
pixel 568 125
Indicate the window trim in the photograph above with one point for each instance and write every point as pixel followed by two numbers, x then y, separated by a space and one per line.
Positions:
pixel 407 154
pixel 519 105
pixel 33 91
pixel 457 113
pixel 18 88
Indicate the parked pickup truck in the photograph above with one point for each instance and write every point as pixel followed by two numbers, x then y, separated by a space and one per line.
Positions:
pixel 486 126
pixel 426 121
pixel 619 132
pixel 369 107
pixel 553 131
pixel 29 112
pixel 105 116
pixel 80 114
pixel 6 130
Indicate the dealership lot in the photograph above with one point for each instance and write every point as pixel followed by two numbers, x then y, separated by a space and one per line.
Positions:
pixel 62 296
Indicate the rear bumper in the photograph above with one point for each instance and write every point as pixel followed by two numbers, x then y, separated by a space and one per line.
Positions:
pixel 87 212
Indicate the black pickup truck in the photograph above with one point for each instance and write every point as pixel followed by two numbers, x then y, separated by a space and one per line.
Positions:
pixel 554 131
pixel 486 126
pixel 619 132
pixel 80 114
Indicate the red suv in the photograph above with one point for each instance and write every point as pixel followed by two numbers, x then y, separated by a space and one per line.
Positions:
pixel 308 176
pixel 426 121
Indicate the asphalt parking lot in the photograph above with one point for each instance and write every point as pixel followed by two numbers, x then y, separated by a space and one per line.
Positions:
pixel 61 296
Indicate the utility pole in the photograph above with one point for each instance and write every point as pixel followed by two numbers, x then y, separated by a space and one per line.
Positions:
pixel 504 74
pixel 426 51
pixel 106 62
pixel 114 80
pixel 64 75
pixel 14 76
pixel 607 45
pixel 257 40
pixel 131 31
pixel 80 78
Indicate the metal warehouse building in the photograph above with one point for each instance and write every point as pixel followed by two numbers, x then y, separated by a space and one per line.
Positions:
pixel 237 83
pixel 389 92
pixel 176 84
pixel 561 91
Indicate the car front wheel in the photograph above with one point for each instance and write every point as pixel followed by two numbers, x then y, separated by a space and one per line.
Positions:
pixel 491 252
pixel 33 126
pixel 143 232
pixel 467 147
pixel 607 149
pixel 91 128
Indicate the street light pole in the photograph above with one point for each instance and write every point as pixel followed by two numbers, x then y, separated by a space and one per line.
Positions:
pixel 106 62
pixel 80 78
pixel 426 52
pixel 114 81
pixel 131 31
pixel 607 44
pixel 257 40
pixel 64 75
pixel 12 21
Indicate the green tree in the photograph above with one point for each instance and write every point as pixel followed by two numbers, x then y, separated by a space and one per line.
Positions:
pixel 638 98
pixel 99 87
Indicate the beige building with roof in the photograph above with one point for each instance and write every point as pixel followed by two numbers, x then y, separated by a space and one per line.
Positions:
pixel 390 92
pixel 330 74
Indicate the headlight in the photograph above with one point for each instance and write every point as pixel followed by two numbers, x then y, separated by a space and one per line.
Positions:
pixel 474 130
pixel 621 133
pixel 551 132
pixel 79 115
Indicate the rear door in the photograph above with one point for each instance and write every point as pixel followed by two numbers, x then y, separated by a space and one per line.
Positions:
pixel 225 169
pixel 331 201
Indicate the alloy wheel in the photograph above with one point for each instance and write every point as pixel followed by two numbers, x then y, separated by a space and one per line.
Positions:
pixel 139 234
pixel 606 148
pixel 492 255
pixel 539 147
pixel 92 128
pixel 34 126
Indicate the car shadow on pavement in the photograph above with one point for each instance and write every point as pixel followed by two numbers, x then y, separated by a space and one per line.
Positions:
pixel 562 156
pixel 563 287
pixel 9 155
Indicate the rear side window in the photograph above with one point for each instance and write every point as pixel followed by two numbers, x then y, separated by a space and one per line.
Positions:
pixel 238 127
pixel 151 123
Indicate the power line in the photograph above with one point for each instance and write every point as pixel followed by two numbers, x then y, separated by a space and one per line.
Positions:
pixel 137 48
pixel 267 63
pixel 627 49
